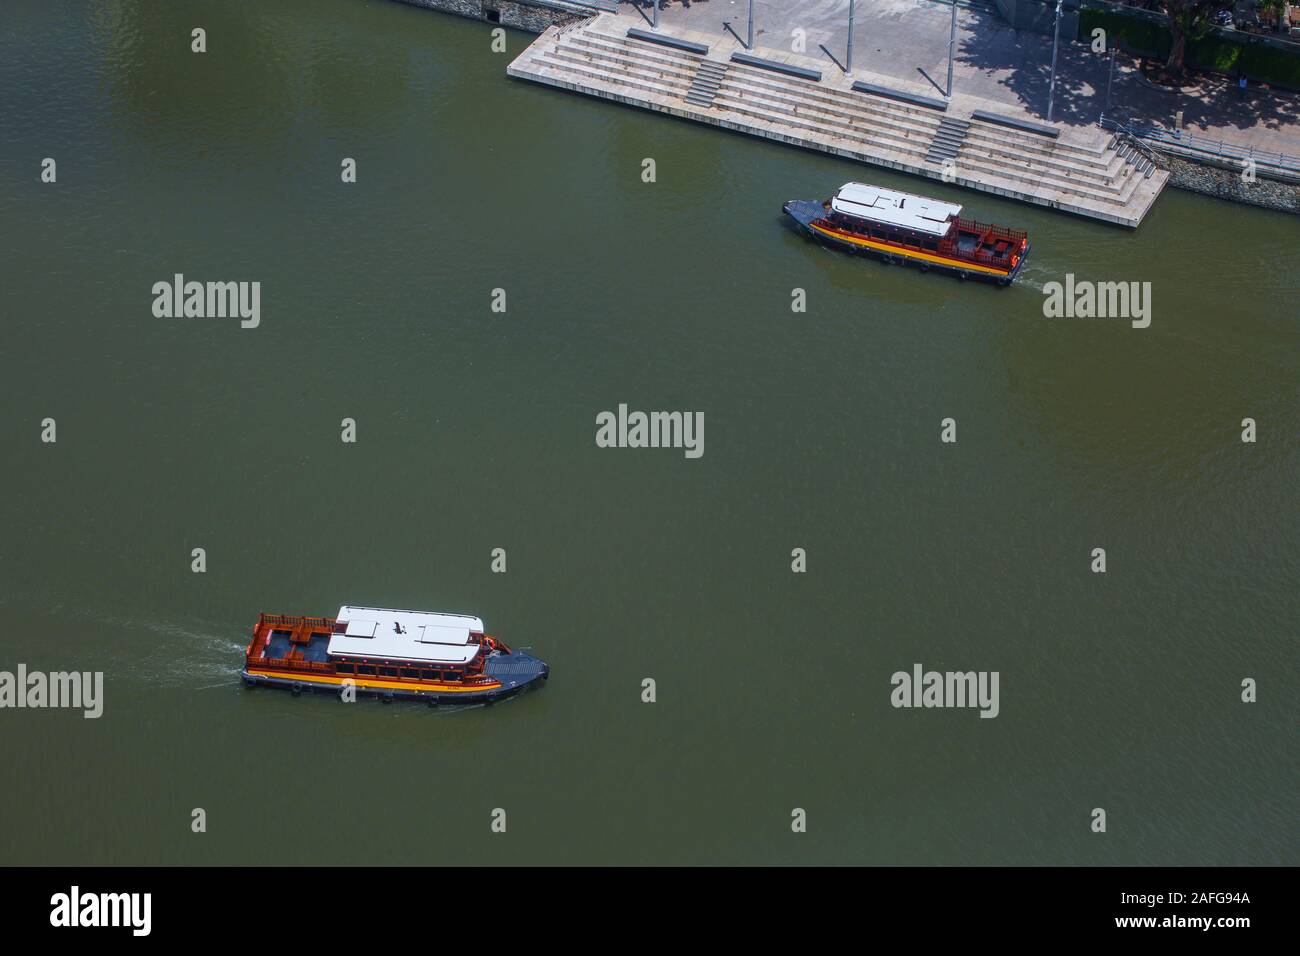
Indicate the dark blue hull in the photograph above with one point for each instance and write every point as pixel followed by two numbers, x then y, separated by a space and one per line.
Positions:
pixel 516 671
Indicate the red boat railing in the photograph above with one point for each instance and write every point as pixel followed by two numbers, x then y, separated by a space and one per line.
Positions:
pixel 948 247
pixel 284 620
pixel 990 230
pixel 987 236
pixel 292 664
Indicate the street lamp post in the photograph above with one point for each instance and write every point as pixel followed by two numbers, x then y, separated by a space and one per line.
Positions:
pixel 1110 77
pixel 952 45
pixel 750 44
pixel 848 60
pixel 1056 41
pixel 655 25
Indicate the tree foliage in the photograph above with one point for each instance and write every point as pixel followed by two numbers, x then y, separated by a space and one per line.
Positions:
pixel 1188 19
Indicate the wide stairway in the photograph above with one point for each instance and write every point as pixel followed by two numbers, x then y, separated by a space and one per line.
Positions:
pixel 948 139
pixel 707 82
pixel 1088 172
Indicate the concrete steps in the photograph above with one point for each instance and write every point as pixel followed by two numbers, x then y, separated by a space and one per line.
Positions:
pixel 843 114
pixel 707 82
pixel 996 150
pixel 948 140
pixel 1098 171
pixel 668 72
pixel 805 96
pixel 681 61
pixel 1141 159
pixel 1013 161
pixel 1103 175
pixel 1091 175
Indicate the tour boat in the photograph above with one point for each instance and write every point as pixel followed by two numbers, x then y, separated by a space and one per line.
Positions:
pixel 901 227
pixel 439 658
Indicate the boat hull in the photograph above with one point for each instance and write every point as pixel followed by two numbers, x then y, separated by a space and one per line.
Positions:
pixel 807 213
pixel 510 674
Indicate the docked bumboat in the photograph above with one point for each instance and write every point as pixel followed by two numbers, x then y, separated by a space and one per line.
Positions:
pixel 901 227
pixel 438 658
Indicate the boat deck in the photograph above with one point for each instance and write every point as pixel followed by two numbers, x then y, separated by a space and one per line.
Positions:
pixel 982 243
pixel 292 639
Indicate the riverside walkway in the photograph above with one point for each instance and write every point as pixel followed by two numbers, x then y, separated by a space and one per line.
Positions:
pixel 899 38
pixel 805 101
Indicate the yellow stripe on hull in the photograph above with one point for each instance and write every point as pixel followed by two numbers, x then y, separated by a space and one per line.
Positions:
pixel 925 256
pixel 379 684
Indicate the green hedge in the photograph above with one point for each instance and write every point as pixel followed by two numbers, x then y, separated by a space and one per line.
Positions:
pixel 1213 51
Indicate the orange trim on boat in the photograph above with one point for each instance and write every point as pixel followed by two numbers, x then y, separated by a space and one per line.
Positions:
pixel 899 250
pixel 337 681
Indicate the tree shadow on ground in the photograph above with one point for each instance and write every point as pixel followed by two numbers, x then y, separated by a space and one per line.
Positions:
pixel 1021 64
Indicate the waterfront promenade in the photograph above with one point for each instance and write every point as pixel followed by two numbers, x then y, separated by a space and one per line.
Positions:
pixel 898 38
pixel 873 118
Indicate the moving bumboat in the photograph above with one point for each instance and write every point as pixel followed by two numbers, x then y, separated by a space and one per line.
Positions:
pixel 901 227
pixel 439 658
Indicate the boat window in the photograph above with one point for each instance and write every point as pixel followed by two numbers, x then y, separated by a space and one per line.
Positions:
pixel 388 671
pixel 365 669
pixel 410 672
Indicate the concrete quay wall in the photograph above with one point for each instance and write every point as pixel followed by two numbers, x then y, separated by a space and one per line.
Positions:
pixel 531 15
pixel 1223 180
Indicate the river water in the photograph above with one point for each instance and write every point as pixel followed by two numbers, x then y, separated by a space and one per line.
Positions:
pixel 475 431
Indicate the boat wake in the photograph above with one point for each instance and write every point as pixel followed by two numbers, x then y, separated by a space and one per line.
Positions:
pixel 194 655
pixel 1034 278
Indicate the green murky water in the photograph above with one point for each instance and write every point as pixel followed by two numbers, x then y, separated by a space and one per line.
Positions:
pixel 476 431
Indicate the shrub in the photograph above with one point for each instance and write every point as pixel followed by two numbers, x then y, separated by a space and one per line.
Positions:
pixel 1214 51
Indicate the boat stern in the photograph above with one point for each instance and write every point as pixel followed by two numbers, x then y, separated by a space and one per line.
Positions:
pixel 1020 263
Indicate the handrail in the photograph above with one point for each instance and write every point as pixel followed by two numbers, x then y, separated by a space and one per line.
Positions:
pixel 1149 133
pixel 1129 136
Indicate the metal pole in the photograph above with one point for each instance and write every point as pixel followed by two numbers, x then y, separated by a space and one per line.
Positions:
pixel 750 44
pixel 848 63
pixel 1056 40
pixel 952 46
pixel 656 23
pixel 1110 78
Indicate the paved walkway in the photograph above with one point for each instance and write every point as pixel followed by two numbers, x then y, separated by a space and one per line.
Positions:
pixel 898 38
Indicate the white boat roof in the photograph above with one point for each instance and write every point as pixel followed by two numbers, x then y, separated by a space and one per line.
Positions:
pixel 925 215
pixel 390 634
